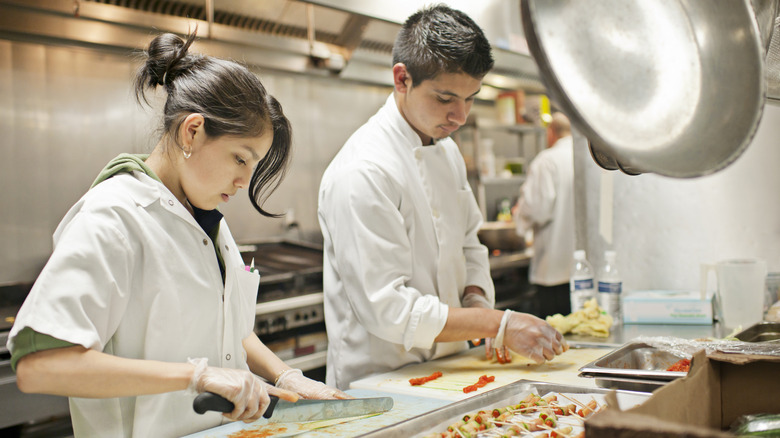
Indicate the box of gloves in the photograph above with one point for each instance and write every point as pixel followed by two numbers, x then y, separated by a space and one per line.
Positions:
pixel 667 307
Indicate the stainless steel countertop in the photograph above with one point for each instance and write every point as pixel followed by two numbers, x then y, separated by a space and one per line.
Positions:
pixel 620 334
pixel 511 260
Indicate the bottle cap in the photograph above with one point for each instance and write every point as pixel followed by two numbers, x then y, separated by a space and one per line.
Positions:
pixel 579 254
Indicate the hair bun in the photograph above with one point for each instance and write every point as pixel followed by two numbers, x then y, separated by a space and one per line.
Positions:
pixel 165 54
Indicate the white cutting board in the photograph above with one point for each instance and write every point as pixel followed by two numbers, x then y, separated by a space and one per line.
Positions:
pixel 404 407
pixel 464 369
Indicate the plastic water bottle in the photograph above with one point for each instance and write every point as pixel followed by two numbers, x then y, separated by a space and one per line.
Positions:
pixel 610 287
pixel 581 284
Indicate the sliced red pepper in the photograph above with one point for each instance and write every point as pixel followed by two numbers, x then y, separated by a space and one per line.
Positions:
pixel 482 381
pixel 415 381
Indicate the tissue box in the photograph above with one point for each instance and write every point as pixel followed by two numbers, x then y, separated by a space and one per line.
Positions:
pixel 667 307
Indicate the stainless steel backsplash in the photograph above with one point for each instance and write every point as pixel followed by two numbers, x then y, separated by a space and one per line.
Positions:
pixel 66 111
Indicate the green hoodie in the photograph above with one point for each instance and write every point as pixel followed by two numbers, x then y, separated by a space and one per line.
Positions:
pixel 125 163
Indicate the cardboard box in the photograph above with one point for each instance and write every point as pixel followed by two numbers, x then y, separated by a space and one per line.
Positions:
pixel 667 307
pixel 716 391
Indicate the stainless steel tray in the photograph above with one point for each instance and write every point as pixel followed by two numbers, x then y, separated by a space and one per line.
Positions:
pixel 761 332
pixel 499 397
pixel 626 383
pixel 635 360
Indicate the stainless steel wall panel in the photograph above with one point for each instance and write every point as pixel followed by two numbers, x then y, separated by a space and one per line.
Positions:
pixel 68 110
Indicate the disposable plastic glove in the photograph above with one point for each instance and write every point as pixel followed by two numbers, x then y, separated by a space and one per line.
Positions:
pixel 529 336
pixel 247 392
pixel 294 380
pixel 471 299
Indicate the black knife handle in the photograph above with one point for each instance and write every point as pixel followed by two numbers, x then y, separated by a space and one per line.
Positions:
pixel 208 401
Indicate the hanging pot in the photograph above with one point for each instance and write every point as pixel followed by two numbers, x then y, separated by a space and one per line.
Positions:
pixel 673 87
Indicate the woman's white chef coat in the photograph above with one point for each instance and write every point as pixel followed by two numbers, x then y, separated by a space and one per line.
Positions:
pixel 133 274
pixel 399 223
pixel 546 205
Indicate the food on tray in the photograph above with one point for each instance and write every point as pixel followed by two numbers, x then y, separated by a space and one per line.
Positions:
pixel 591 320
pixel 483 380
pixel 683 365
pixel 554 415
pixel 420 380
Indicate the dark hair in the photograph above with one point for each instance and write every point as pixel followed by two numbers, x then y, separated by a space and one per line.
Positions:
pixel 231 99
pixel 439 39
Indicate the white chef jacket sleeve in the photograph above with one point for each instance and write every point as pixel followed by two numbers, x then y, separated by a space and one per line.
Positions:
pixel 374 258
pixel 83 291
pixel 476 254
pixel 536 206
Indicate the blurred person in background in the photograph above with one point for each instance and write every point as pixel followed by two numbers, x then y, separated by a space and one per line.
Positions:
pixel 546 206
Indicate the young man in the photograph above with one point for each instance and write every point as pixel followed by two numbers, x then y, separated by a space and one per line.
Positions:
pixel 405 278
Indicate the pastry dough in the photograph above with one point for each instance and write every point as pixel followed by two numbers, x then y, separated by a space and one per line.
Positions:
pixel 591 320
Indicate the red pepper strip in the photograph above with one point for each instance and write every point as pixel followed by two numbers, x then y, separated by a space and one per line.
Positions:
pixel 470 388
pixel 483 380
pixel 421 380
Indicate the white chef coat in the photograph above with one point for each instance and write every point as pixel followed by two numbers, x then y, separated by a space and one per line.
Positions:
pixel 133 274
pixel 546 205
pixel 399 222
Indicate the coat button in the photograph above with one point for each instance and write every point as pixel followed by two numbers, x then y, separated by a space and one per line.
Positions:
pixel 436 213
pixel 417 154
pixel 227 357
pixel 226 248
pixel 170 202
pixel 206 242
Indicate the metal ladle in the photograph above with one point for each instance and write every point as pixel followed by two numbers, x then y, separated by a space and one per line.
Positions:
pixel 673 87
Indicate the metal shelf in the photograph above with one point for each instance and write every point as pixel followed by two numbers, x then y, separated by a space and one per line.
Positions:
pixel 511 260
pixel 288 303
pixel 308 362
pixel 514 180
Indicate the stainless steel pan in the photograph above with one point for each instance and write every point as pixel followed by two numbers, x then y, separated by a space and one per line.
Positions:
pixel 673 87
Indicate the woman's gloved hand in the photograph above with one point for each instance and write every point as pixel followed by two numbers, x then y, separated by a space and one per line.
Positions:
pixel 529 336
pixel 247 392
pixel 294 380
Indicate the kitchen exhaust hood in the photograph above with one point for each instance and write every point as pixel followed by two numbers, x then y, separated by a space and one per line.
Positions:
pixel 308 37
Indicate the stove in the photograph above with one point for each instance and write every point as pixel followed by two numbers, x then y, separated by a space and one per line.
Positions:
pixel 289 314
pixel 16 407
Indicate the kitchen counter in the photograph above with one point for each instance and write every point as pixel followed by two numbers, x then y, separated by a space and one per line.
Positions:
pixel 620 334
pixel 460 370
pixel 404 407
pixel 465 368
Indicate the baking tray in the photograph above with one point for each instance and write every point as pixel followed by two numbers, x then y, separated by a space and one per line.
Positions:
pixel 761 332
pixel 626 383
pixel 635 360
pixel 512 393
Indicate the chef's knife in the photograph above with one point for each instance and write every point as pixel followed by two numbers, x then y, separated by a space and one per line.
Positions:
pixel 282 411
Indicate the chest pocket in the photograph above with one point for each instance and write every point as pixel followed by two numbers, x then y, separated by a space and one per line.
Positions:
pixel 242 296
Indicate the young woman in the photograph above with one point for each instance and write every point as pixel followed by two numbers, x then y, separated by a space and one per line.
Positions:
pixel 145 300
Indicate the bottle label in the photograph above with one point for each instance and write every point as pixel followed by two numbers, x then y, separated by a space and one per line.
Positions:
pixel 583 284
pixel 609 287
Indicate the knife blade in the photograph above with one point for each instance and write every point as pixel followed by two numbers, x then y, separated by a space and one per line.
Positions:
pixel 282 411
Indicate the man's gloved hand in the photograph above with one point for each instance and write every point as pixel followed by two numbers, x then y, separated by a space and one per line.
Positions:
pixel 247 392
pixel 477 299
pixel 530 337
pixel 294 380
